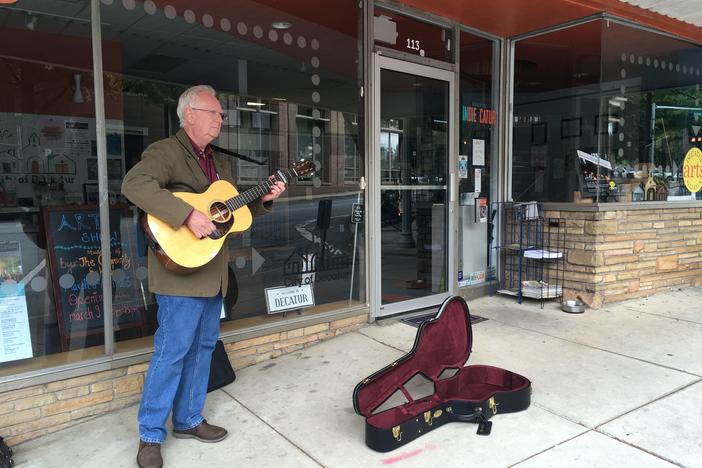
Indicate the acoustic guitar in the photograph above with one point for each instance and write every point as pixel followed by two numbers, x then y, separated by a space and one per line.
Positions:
pixel 180 251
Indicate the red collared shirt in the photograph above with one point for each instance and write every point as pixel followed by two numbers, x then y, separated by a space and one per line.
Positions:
pixel 204 158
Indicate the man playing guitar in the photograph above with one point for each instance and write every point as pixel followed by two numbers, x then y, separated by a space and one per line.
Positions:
pixel 189 305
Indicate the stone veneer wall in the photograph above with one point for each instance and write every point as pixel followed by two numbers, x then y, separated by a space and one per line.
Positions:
pixel 615 255
pixel 33 411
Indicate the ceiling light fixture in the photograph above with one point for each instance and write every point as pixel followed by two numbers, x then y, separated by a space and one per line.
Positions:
pixel 255 104
pixel 281 25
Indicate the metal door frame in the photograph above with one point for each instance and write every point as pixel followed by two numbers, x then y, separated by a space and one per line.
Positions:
pixel 377 310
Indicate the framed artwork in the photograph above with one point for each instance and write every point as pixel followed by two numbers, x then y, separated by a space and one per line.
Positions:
pixel 91 194
pixel 539 133
pixel 114 168
pixel 92 168
pixel 571 128
pixel 602 123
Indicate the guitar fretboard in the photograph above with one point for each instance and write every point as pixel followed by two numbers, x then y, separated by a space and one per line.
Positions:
pixel 254 193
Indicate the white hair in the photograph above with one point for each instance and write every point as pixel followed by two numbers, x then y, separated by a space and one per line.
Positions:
pixel 189 97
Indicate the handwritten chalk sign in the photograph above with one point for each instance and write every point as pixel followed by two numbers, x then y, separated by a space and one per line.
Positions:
pixel 76 263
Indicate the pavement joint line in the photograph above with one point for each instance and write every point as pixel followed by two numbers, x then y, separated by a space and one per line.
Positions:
pixel 632 445
pixel 562 416
pixel 273 429
pixel 551 447
pixel 380 342
pixel 682 371
pixel 631 309
pixel 657 399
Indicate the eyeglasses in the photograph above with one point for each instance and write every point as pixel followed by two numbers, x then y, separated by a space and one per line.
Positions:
pixel 213 113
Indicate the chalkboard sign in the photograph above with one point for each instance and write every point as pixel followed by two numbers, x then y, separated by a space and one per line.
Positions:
pixel 76 264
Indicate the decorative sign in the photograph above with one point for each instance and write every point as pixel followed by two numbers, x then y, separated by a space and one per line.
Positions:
pixel 283 298
pixel 692 170
pixel 356 213
pixel 478 115
pixel 462 166
pixel 15 339
pixel 76 263
pixel 478 152
pixel 472 278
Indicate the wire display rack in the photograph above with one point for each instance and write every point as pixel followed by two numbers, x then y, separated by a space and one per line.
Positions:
pixel 531 252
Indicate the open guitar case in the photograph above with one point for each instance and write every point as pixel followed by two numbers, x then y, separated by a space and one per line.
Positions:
pixel 472 394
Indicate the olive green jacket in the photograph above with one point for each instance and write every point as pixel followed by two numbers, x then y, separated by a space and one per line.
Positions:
pixel 171 165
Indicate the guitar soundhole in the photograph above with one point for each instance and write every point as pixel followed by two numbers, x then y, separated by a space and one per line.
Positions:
pixel 222 218
pixel 219 213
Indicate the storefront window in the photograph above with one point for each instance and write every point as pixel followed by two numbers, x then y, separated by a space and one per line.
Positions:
pixel 556 99
pixel 478 148
pixel 289 83
pixel 49 223
pixel 651 100
pixel 609 115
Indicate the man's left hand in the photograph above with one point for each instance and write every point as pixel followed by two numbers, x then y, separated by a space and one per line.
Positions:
pixel 276 190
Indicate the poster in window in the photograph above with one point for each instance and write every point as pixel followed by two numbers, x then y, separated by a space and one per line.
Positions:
pixel 478 152
pixel 481 210
pixel 462 166
pixel 15 339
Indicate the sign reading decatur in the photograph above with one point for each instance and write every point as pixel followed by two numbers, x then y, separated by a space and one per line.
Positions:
pixel 692 170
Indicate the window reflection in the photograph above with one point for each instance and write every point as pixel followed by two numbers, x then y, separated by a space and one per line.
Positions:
pixel 289 96
pixel 152 51
pixel 613 124
pixel 50 299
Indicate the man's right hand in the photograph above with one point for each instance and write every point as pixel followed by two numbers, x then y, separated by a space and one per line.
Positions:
pixel 199 224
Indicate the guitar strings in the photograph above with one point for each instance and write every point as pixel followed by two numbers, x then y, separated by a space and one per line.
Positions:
pixel 253 193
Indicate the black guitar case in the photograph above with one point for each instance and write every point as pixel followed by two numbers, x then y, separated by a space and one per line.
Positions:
pixel 471 394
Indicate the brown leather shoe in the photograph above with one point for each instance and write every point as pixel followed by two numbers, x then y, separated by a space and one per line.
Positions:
pixel 149 455
pixel 204 433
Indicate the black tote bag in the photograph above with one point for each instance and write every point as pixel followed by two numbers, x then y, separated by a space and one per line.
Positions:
pixel 221 371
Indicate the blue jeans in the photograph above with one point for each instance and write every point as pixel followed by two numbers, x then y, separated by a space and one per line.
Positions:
pixel 177 379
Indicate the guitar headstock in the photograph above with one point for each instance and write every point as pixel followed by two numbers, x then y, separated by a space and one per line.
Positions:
pixel 303 168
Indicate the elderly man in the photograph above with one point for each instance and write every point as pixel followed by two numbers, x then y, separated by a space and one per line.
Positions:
pixel 189 305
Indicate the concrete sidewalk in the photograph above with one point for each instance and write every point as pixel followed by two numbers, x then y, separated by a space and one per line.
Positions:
pixel 611 387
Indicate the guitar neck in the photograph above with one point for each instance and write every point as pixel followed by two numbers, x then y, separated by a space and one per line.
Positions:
pixel 254 193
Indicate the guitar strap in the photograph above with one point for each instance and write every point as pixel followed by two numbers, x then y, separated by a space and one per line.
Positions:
pixel 219 149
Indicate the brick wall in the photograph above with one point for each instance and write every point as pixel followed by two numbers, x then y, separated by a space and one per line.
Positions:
pixel 618 255
pixel 41 409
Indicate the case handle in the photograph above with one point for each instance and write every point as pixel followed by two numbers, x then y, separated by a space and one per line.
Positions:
pixel 484 426
pixel 473 417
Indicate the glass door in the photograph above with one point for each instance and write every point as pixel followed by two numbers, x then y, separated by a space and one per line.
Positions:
pixel 412 238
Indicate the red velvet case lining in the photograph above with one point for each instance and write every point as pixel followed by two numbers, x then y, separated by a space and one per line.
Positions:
pixel 443 342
